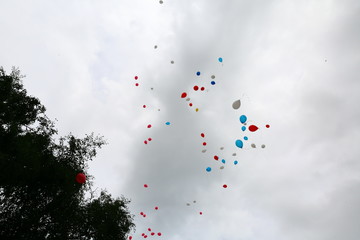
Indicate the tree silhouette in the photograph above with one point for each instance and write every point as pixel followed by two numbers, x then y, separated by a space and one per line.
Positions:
pixel 39 197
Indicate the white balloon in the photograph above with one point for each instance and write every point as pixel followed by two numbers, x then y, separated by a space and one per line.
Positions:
pixel 236 104
pixel 234 154
pixel 212 76
pixel 203 151
pixel 253 145
pixel 263 146
pixel 222 167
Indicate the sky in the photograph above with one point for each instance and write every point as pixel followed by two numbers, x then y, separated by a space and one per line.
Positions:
pixel 293 65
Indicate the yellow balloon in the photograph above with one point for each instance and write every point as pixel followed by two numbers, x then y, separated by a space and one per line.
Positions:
pixel 197 110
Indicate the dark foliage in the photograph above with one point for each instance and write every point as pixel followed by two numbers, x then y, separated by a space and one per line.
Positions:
pixel 39 197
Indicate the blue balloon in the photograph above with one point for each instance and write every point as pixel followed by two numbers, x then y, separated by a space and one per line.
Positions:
pixel 198 73
pixel 245 138
pixel 208 169
pixel 236 162
pixel 239 143
pixel 243 128
pixel 243 118
pixel 220 59
pixel 212 82
pixel 223 161
pixel 167 123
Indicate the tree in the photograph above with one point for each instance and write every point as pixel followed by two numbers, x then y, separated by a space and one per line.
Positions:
pixel 39 197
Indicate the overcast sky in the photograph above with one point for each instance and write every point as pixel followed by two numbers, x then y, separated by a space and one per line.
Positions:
pixel 293 64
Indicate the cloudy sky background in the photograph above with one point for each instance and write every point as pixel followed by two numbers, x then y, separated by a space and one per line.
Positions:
pixel 293 64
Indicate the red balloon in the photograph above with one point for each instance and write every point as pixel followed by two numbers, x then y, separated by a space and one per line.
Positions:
pixel 200 213
pixel 253 128
pixel 144 215
pixel 202 135
pixel 267 125
pixel 149 229
pixel 149 139
pixel 202 88
pixel 183 95
pixel 143 234
pixel 130 237
pixel 156 208
pixel 136 77
pixel 144 106
pixel 145 185
pixel 196 88
pixel 141 213
pixel 136 84
pixel 216 157
pixel 80 178
pixel 145 142
pixel 190 104
pixel 224 186
pixel 159 233
pixel 149 126
pixel 204 143
pixel 152 234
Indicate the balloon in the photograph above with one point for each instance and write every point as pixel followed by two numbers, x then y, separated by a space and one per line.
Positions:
pixel 145 185
pixel 200 213
pixel 253 145
pixel 263 146
pixel 202 135
pixel 183 95
pixel 159 233
pixel 143 234
pixel 172 62
pixel 149 229
pixel 141 213
pixel 190 104
pixel 188 204
pixel 196 109
pixel 136 77
pixel 212 76
pixel 145 142
pixel 243 128
pixel 243 118
pixel 156 208
pixel 149 126
pixel 144 106
pixel 203 151
pixel 167 123
pixel 144 215
pixel 220 59
pixel 155 46
pixel 188 99
pixel 222 148
pixel 224 186
pixel 161 2
pixel 80 178
pixel 223 161
pixel 152 234
pixel 198 73
pixel 239 143
pixel 253 128
pixel 222 167
pixel 235 162
pixel 196 88
pixel 202 88
pixel 216 157
pixel 212 82
pixel 130 237
pixel 246 138
pixel 194 201
pixel 267 125
pixel 208 169
pixel 152 88
pixel 204 143
pixel 136 84
pixel 234 154
pixel 236 104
